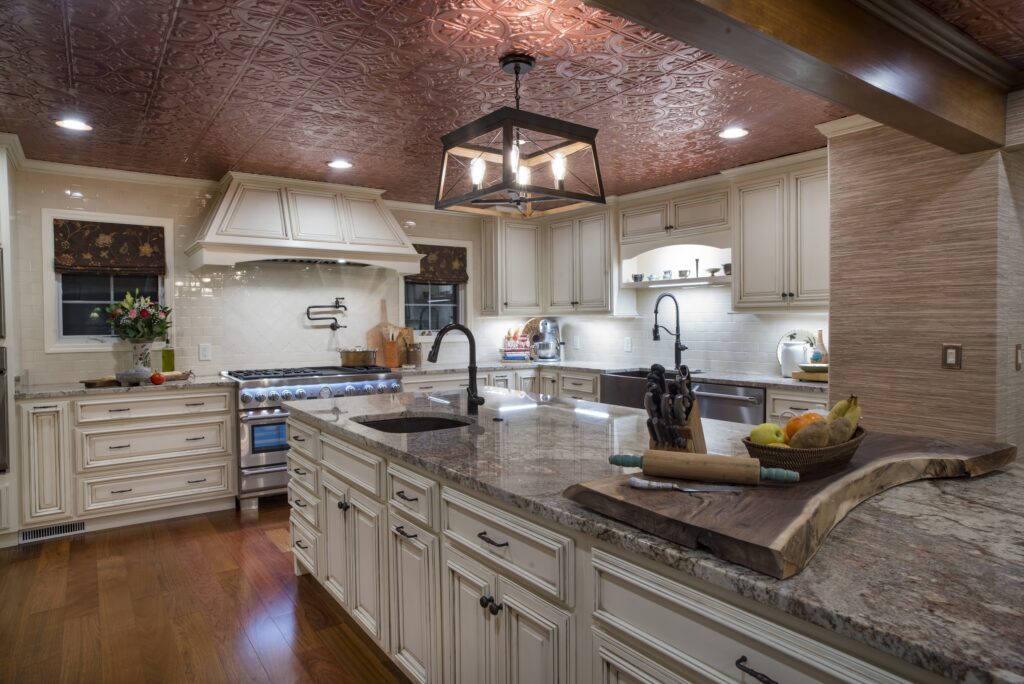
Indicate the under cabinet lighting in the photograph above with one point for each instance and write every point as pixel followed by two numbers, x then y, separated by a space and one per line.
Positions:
pixel 73 124
pixel 340 164
pixel 678 285
pixel 733 132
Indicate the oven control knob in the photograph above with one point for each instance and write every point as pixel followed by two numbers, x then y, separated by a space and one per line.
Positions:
pixel 382 388
pixel 368 388
pixel 274 396
pixel 287 395
pixel 261 397
pixel 325 392
pixel 350 390
pixel 246 398
pixel 394 388
pixel 300 393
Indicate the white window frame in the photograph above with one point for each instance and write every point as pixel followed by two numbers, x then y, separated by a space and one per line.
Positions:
pixel 54 343
pixel 468 303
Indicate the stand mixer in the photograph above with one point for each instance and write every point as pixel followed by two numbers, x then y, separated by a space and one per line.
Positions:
pixel 546 345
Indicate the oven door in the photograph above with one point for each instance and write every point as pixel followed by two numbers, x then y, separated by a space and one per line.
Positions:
pixel 263 440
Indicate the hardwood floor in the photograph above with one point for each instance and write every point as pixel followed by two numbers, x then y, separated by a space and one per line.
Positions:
pixel 208 598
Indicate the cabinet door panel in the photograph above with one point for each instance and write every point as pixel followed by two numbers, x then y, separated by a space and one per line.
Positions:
pixel 809 241
pixel 315 216
pixel 760 244
pixel 336 540
pixel 592 263
pixel 500 380
pixel 414 590
pixel 641 224
pixel 468 639
pixel 548 384
pixel 561 266
pixel 47 468
pixel 535 638
pixel 526 381
pixel 521 291
pixel 369 223
pixel 489 277
pixel 367 598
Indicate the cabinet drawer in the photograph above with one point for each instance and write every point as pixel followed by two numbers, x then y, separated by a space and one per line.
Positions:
pixel 705 636
pixel 359 467
pixel 523 550
pixel 157 406
pixel 305 505
pixel 155 487
pixel 413 495
pixel 130 444
pixel 787 406
pixel 303 439
pixel 304 473
pixel 578 386
pixel 305 543
pixel 435 383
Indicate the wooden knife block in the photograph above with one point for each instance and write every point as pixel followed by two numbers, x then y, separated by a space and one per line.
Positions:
pixel 693 432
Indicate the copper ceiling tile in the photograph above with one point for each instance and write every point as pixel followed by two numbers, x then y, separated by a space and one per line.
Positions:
pixel 198 87
pixel 996 24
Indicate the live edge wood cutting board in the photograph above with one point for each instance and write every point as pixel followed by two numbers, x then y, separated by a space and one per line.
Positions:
pixel 774 528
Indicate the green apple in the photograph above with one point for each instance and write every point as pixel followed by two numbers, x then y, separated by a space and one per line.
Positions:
pixel 767 433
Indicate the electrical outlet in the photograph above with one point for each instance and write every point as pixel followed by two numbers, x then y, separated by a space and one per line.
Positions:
pixel 952 356
pixel 1018 357
pixel 627 344
pixel 576 343
pixel 205 351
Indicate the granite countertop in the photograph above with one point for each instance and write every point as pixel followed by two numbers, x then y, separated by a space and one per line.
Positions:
pixel 66 390
pixel 765 380
pixel 931 572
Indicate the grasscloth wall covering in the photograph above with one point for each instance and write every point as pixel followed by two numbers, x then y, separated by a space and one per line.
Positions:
pixel 1011 294
pixel 915 233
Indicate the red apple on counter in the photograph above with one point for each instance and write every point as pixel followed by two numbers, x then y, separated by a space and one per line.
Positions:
pixel 157 378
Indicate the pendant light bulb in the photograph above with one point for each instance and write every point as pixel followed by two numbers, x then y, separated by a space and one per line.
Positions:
pixel 476 172
pixel 523 175
pixel 558 169
pixel 514 155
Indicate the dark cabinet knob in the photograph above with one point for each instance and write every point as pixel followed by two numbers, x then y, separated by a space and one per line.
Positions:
pixel 495 608
pixel 791 295
pixel 486 601
pixel 344 505
pixel 783 295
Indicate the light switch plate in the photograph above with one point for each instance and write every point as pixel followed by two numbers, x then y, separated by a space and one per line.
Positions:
pixel 952 356
pixel 205 351
pixel 627 344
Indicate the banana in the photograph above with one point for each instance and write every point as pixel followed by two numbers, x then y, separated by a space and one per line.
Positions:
pixel 840 409
pixel 853 414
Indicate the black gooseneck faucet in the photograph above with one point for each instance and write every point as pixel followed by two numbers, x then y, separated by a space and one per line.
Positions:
pixel 679 346
pixel 474 399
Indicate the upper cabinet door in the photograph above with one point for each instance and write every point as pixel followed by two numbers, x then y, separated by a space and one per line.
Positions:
pixel 490 282
pixel 522 291
pixel 700 215
pixel 561 266
pixel 257 212
pixel 370 224
pixel 641 224
pixel 592 264
pixel 759 244
pixel 809 239
pixel 315 216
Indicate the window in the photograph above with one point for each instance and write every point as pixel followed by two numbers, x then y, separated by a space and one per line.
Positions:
pixel 431 306
pixel 84 298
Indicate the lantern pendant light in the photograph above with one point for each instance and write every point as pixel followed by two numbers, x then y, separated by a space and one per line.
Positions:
pixel 514 162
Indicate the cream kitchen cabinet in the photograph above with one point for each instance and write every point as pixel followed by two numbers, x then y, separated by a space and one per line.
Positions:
pixel 436 382
pixel 680 221
pixel 414 599
pixel 505 379
pixel 368 570
pixel 644 224
pixel 579 265
pixel 46 470
pixel 521 256
pixel 547 382
pixel 781 241
pixel 528 381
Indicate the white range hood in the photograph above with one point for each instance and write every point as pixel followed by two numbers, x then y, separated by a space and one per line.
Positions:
pixel 263 218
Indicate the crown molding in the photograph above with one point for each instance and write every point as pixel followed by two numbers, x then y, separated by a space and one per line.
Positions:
pixel 11 143
pixel 778 162
pixel 399 205
pixel 846 125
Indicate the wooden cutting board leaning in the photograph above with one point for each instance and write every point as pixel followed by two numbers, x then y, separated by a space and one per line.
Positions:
pixel 391 341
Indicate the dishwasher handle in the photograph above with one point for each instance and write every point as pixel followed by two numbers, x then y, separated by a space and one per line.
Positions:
pixel 731 397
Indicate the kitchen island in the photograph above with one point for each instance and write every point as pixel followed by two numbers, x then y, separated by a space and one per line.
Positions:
pixel 922 582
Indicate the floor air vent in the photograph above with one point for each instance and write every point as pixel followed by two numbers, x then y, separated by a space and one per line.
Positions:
pixel 52 532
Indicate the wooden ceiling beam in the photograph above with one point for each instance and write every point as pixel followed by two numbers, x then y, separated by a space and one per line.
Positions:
pixel 840 51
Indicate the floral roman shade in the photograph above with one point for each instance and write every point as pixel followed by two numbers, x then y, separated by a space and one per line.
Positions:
pixel 441 264
pixel 113 248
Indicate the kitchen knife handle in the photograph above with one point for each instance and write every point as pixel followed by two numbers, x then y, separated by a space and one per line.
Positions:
pixel 626 460
pixel 640 483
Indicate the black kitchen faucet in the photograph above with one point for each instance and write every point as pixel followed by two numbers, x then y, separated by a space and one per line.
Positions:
pixel 474 399
pixel 679 347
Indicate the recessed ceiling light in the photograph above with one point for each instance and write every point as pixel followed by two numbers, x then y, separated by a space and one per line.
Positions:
pixel 73 124
pixel 733 132
pixel 340 164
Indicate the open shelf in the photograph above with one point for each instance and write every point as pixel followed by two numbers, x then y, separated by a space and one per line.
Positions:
pixel 680 282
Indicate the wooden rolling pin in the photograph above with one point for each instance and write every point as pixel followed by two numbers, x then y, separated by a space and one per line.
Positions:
pixel 704 467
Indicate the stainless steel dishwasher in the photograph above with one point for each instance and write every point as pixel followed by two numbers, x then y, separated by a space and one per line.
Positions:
pixel 731 402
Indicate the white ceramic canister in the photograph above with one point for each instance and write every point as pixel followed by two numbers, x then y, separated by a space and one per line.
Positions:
pixel 794 352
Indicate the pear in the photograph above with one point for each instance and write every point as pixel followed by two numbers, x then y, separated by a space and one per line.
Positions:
pixel 813 436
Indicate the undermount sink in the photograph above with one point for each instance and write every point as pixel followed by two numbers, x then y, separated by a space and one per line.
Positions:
pixel 407 424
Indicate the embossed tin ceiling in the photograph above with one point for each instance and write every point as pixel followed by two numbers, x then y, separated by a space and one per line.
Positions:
pixel 996 24
pixel 198 87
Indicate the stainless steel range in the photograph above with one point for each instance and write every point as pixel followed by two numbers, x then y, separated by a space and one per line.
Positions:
pixel 262 436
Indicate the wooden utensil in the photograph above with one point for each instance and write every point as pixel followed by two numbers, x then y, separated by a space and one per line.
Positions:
pixel 703 467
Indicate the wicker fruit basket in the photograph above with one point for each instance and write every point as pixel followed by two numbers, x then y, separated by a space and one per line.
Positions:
pixel 807 462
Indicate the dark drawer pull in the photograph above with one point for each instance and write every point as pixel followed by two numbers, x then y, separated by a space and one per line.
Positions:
pixel 764 679
pixel 298 542
pixel 196 403
pixel 422 387
pixel 401 530
pixel 197 481
pixel 300 472
pixel 195 439
pixel 121 410
pixel 405 497
pixel 576 384
pixel 483 535
pixel 120 446
pixel 120 491
pixel 298 439
pixel 300 503
pixel 41 408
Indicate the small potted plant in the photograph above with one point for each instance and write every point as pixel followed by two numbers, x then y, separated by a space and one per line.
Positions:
pixel 140 321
